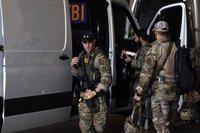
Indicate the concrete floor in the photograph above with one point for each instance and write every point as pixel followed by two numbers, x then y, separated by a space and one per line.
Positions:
pixel 115 124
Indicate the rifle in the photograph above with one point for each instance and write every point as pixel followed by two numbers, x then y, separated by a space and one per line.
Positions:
pixel 145 115
pixel 135 113
pixel 147 112
pixel 82 87
pixel 84 84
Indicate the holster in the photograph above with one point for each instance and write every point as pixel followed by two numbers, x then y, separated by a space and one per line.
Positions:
pixel 90 102
pixel 93 104
pixel 160 78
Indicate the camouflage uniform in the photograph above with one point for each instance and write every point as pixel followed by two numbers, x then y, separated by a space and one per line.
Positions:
pixel 164 92
pixel 139 61
pixel 137 64
pixel 92 119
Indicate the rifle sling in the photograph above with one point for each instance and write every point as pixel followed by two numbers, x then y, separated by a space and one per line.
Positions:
pixel 168 52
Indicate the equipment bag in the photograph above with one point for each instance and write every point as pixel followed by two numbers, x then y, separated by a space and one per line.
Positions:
pixel 183 70
pixel 130 125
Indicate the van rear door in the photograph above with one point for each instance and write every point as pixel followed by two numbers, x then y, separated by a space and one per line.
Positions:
pixel 38 49
pixel 175 15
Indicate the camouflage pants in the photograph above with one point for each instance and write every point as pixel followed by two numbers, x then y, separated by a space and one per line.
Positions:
pixel 91 120
pixel 164 101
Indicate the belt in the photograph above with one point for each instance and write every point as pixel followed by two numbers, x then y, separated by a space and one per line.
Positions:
pixel 160 78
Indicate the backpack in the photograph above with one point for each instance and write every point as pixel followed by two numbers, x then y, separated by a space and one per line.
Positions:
pixel 183 70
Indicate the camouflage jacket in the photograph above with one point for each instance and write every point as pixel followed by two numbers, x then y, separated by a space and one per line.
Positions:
pixel 139 61
pixel 154 57
pixel 96 65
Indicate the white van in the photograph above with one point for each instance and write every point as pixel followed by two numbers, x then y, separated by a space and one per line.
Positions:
pixel 36 35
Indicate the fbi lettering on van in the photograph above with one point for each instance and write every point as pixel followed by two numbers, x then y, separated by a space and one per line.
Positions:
pixel 78 12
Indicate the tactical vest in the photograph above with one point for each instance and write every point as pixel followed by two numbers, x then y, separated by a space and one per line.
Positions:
pixel 87 66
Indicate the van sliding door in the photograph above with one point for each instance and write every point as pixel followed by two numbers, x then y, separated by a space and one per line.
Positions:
pixel 37 40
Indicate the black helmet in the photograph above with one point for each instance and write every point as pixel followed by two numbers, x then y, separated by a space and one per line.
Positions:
pixel 87 37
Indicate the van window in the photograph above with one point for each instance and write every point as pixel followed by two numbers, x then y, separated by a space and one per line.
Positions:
pixel 123 23
pixel 145 10
pixel 123 27
pixel 34 25
pixel 170 16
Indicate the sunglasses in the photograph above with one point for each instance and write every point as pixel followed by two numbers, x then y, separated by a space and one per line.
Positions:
pixel 87 38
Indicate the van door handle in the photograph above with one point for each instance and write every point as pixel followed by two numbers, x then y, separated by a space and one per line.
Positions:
pixel 63 57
